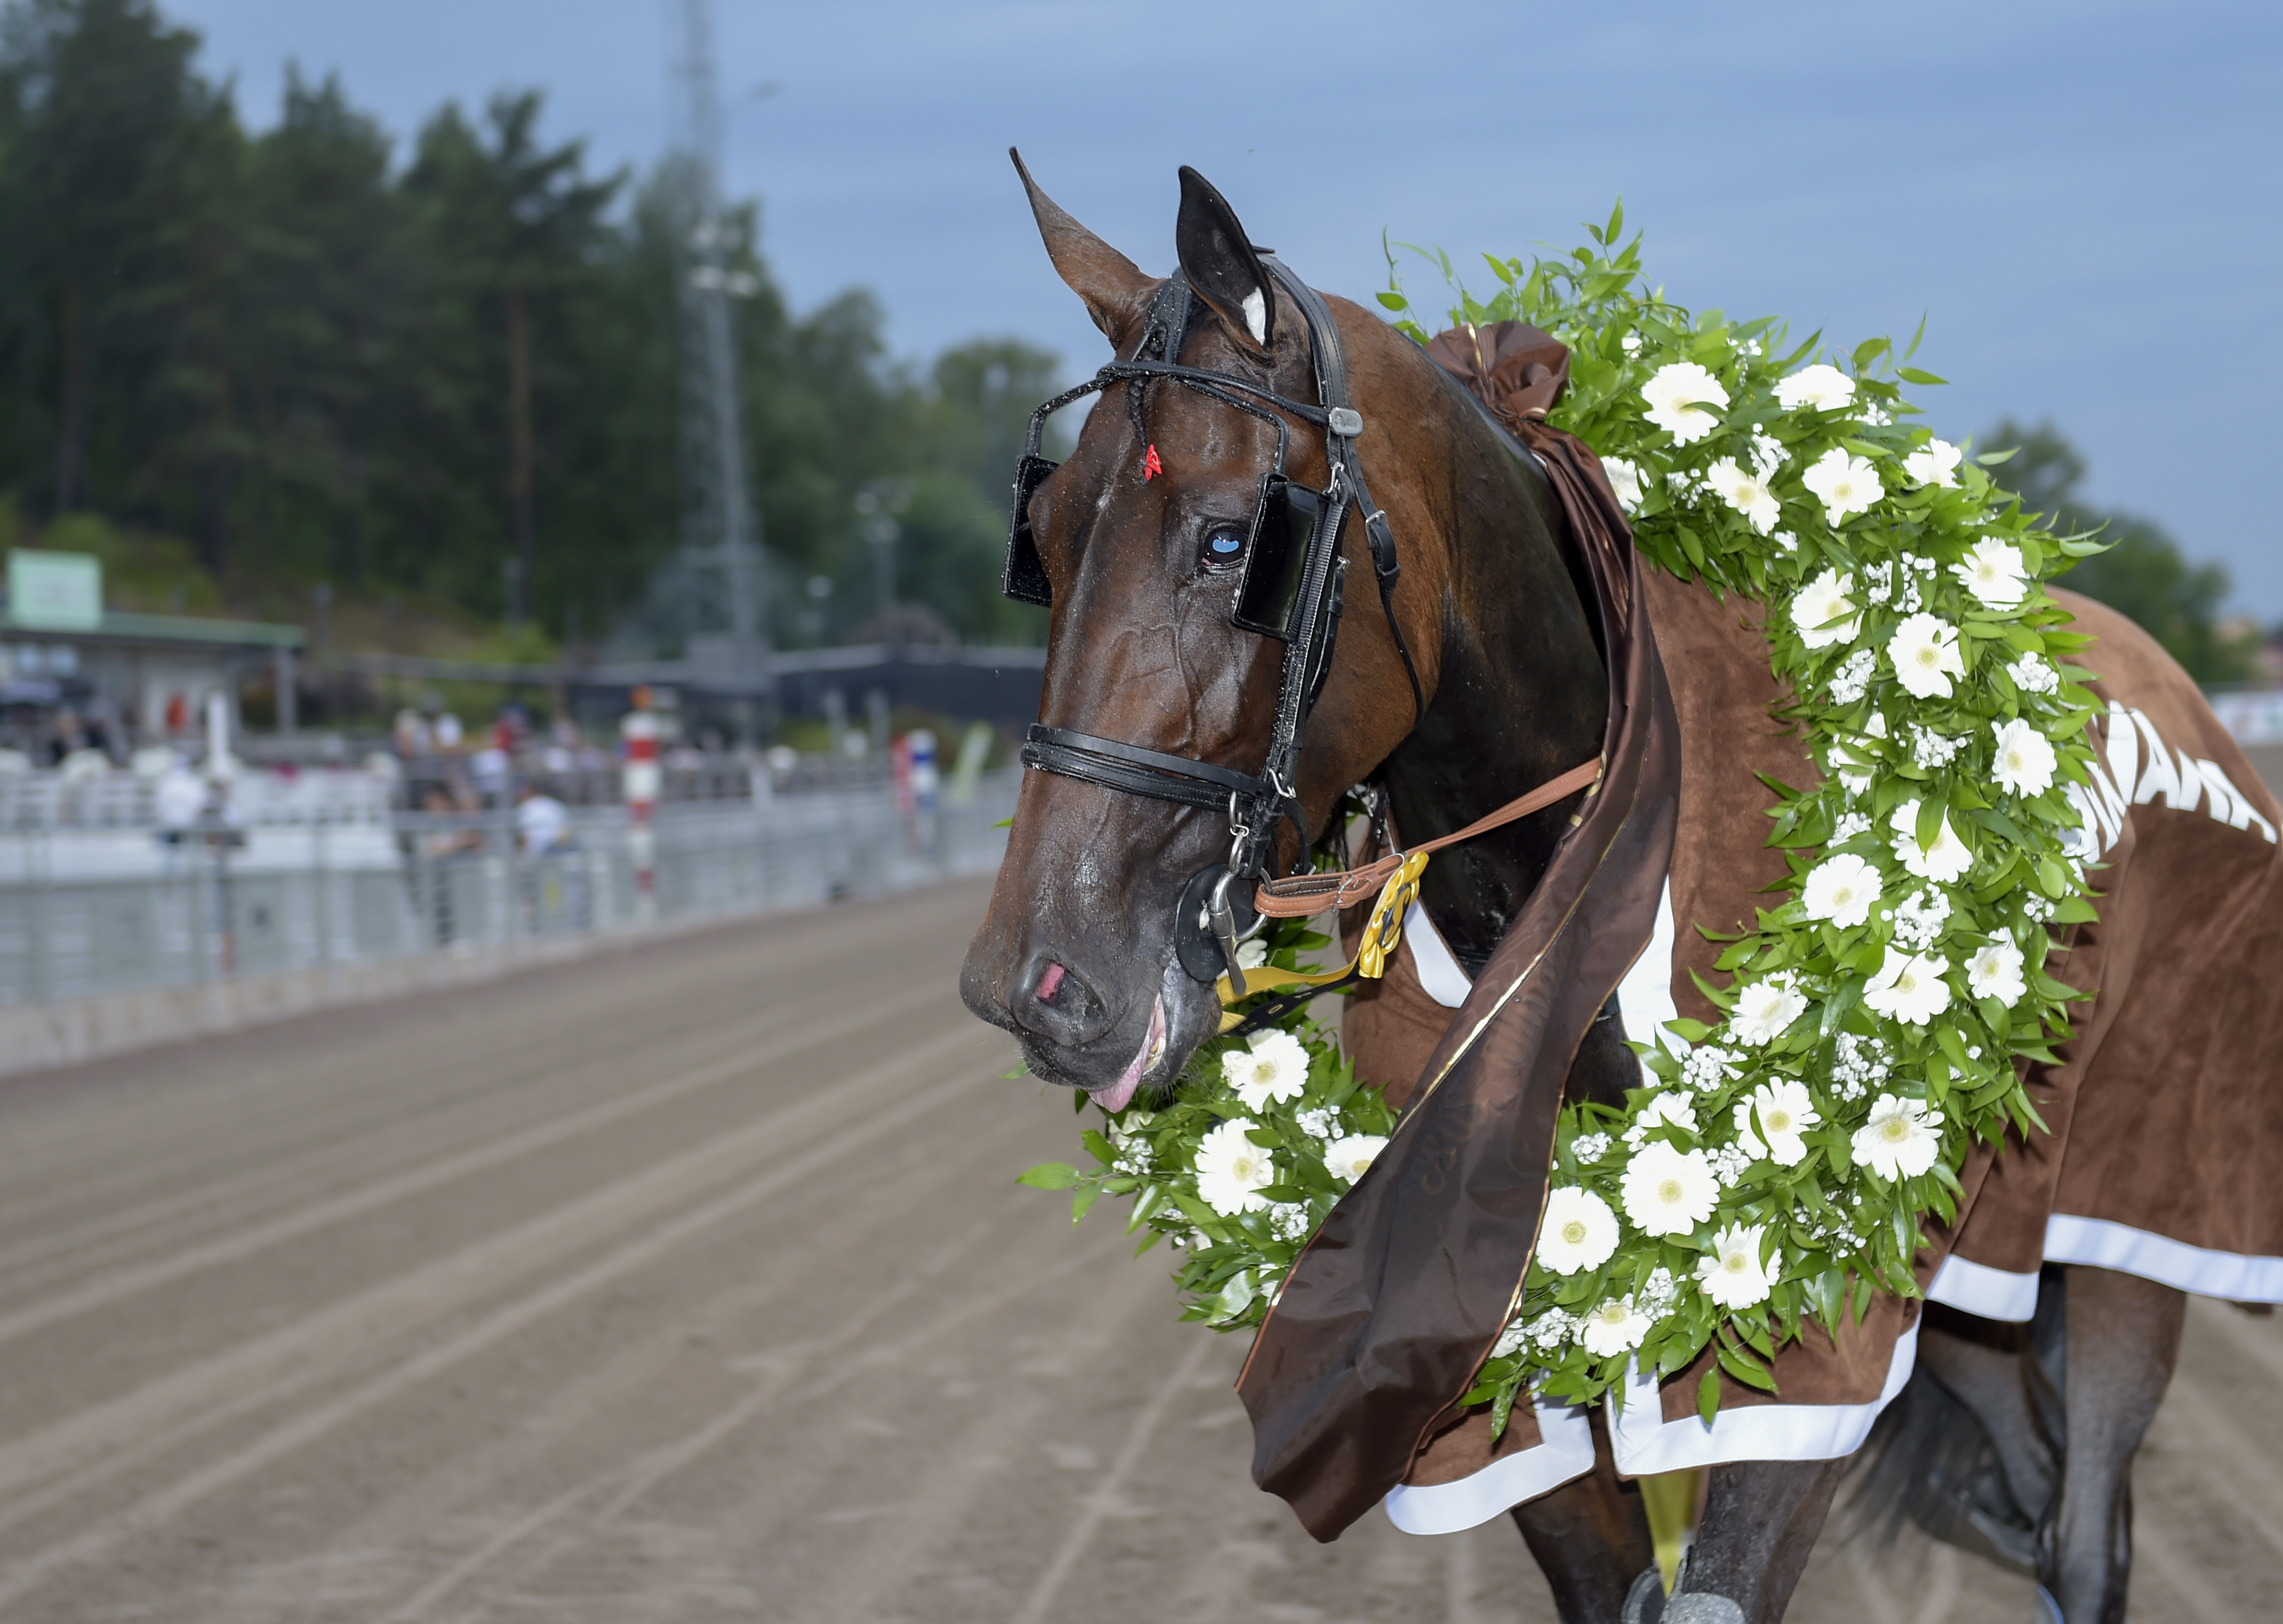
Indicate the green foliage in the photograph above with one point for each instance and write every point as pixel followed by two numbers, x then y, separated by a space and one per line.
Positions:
pixel 304 359
pixel 2142 572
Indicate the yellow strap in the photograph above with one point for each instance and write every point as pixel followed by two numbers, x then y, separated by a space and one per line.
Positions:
pixel 1381 934
pixel 1671 1499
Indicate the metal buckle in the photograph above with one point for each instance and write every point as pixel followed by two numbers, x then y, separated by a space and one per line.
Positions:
pixel 1346 421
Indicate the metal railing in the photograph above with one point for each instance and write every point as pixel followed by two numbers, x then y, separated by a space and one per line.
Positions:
pixel 102 906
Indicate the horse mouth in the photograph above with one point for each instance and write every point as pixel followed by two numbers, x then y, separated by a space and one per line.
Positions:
pixel 1119 1095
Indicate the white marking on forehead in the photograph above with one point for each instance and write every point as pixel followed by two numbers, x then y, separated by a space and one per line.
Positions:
pixel 1256 315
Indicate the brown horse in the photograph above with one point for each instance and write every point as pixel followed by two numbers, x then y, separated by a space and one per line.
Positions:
pixel 1078 956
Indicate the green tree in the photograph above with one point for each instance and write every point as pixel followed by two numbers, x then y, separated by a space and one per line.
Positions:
pixel 2144 574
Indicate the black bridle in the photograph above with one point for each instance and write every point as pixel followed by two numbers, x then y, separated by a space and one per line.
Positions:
pixel 1256 804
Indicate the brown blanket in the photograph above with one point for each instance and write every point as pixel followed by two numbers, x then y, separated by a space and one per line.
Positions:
pixel 2167 1112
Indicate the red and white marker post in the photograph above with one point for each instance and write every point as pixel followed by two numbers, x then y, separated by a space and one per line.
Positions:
pixel 640 779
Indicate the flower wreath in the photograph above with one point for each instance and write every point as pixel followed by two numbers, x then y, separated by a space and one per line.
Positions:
pixel 1775 1168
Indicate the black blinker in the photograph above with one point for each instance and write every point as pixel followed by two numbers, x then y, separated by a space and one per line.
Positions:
pixel 1025 577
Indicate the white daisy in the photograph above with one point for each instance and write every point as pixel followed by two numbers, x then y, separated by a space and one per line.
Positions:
pixel 1625 480
pixel 1815 612
pixel 1615 1327
pixel 1944 863
pixel 1232 1170
pixel 2025 761
pixel 1579 1231
pixel 1996 972
pixel 1900 1140
pixel 1346 1158
pixel 1844 484
pixel 1677 393
pixel 1786 1110
pixel 1733 1276
pixel 1934 464
pixel 1908 987
pixel 1994 572
pixel 1252 955
pixel 1841 890
pixel 1925 654
pixel 1667 1191
pixel 1764 1010
pixel 1272 1066
pixel 1818 388
pixel 1747 493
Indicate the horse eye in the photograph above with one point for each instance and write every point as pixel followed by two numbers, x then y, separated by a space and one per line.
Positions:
pixel 1224 545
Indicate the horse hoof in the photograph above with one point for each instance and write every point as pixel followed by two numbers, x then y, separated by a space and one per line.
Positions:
pixel 1645 1602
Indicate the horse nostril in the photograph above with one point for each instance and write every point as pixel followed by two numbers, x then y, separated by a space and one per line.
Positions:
pixel 1051 983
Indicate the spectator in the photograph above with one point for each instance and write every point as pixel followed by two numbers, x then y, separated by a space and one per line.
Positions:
pixel 541 824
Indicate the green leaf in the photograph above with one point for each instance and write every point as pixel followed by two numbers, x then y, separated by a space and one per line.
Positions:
pixel 1007 822
pixel 1050 1175
pixel 1394 301
pixel 1708 1396
pixel 1912 375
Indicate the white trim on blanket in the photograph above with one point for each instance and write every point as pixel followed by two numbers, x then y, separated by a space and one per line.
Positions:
pixel 1441 976
pixel 1645 1443
pixel 1991 1294
pixel 1475 1499
pixel 2103 1244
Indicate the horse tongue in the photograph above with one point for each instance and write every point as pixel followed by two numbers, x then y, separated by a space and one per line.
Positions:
pixel 1119 1095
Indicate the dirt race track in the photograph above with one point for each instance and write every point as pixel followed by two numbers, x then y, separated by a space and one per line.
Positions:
pixel 690 1283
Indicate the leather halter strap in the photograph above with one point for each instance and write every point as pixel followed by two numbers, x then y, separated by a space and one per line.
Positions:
pixel 1136 770
pixel 1303 895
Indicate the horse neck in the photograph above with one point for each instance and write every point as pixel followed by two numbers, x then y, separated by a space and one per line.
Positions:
pixel 1522 694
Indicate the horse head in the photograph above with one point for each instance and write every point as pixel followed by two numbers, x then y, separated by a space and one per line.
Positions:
pixel 1142 535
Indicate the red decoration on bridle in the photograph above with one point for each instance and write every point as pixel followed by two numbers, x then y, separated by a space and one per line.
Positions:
pixel 1150 466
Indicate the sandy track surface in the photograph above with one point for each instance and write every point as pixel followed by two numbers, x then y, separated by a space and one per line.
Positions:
pixel 690 1283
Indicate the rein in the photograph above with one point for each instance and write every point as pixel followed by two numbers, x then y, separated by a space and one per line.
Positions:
pixel 1397 876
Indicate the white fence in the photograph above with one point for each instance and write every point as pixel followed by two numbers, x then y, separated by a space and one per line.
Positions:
pixel 94 899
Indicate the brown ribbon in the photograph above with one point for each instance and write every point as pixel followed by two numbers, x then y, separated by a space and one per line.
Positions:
pixel 1396 1302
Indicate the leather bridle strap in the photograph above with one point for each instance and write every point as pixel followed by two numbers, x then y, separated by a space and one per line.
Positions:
pixel 1302 895
pixel 1138 771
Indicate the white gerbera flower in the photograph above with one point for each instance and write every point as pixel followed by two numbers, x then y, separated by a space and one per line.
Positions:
pixel 1252 955
pixel 1765 1009
pixel 1818 388
pixel 1232 1170
pixel 1272 1066
pixel 1909 987
pixel 1994 572
pixel 1733 1276
pixel 1346 1158
pixel 1615 1327
pixel 1747 493
pixel 2025 761
pixel 1996 972
pixel 1677 393
pixel 1786 1110
pixel 1668 1191
pixel 1925 651
pixel 1944 863
pixel 1625 480
pixel 1934 464
pixel 1844 484
pixel 1841 890
pixel 1900 1140
pixel 1815 612
pixel 1579 1231
pixel 1667 1108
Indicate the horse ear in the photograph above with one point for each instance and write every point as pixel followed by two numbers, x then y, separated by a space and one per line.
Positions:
pixel 1115 291
pixel 1222 265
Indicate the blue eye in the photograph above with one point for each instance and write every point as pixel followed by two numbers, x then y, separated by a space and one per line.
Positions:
pixel 1224 545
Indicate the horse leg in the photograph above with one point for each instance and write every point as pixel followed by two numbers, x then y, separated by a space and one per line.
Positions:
pixel 1591 1537
pixel 1760 1521
pixel 2123 1339
pixel 1994 1371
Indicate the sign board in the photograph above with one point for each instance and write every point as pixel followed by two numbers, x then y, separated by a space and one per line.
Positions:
pixel 55 591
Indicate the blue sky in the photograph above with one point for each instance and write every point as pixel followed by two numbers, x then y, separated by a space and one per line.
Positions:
pixel 2082 199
